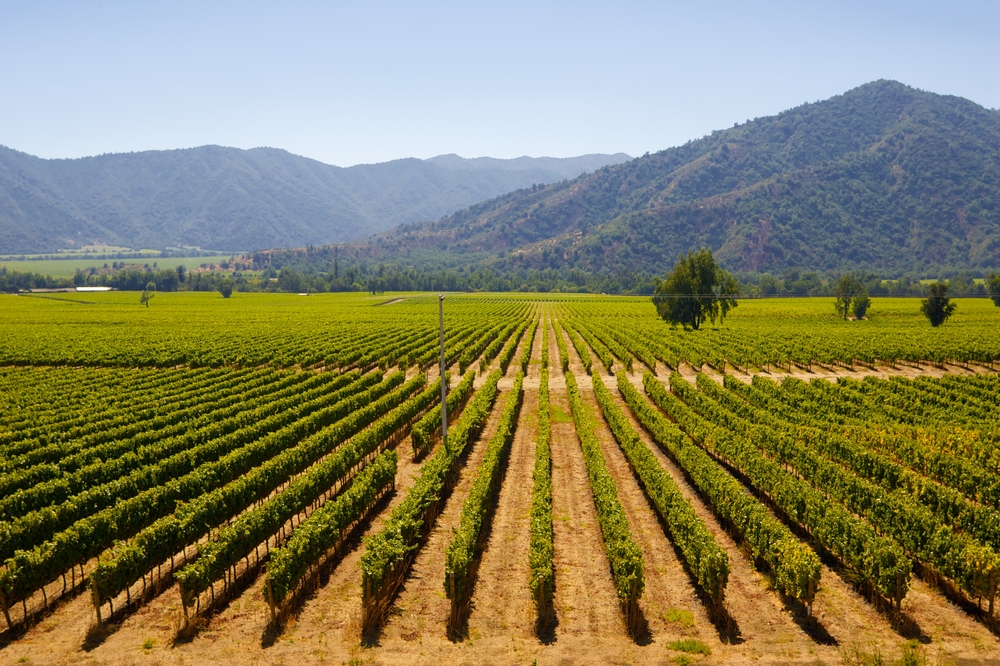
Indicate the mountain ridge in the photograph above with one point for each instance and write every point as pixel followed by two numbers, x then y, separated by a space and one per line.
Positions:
pixel 883 177
pixel 237 200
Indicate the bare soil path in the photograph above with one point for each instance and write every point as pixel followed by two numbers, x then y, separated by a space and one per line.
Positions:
pixel 501 602
pixel 585 600
pixel 669 590
pixel 422 608
pixel 765 624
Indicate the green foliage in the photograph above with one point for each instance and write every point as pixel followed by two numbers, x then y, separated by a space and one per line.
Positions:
pixel 695 291
pixel 226 287
pixel 935 524
pixel 509 349
pixel 796 569
pixel 387 550
pixel 288 564
pixel 240 479
pixel 424 431
pixel 690 645
pixel 468 538
pixel 769 333
pixel 487 348
pixel 623 553
pixel 242 535
pixel 880 561
pixel 541 549
pixel 329 330
pixel 107 471
pixel 852 297
pixel 706 560
pixel 937 307
pixel 680 617
pixel 99 457
pixel 147 294
pixel 561 344
pixel 581 348
pixel 525 360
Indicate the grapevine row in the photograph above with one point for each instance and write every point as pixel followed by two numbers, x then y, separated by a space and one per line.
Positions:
pixel 542 580
pixel 235 541
pixel 160 541
pixel 879 561
pixel 389 553
pixel 424 434
pixel 461 556
pixel 289 564
pixel 927 537
pixel 706 559
pixel 794 567
pixel 623 554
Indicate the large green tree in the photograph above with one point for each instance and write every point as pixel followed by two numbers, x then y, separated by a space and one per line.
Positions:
pixel 852 297
pixel 937 307
pixel 695 291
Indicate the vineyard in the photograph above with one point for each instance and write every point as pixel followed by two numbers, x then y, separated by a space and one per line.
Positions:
pixel 264 479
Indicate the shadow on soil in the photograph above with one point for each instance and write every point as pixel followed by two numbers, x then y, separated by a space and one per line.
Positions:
pixel 809 624
pixel 546 623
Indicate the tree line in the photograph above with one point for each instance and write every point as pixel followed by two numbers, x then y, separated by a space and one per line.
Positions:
pixel 305 274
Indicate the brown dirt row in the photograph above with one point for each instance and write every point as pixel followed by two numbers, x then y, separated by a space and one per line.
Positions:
pixel 762 628
pixel 668 588
pixel 830 373
pixel 501 602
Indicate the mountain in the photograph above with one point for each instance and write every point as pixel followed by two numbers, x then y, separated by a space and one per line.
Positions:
pixel 883 177
pixel 236 200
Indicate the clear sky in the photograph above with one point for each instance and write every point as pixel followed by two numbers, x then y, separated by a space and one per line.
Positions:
pixel 355 82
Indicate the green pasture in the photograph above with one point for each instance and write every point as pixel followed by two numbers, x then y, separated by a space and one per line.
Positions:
pixel 60 268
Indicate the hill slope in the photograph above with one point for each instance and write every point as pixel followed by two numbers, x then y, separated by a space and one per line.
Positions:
pixel 231 199
pixel 883 177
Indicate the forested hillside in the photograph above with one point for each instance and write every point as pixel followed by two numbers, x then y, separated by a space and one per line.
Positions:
pixel 239 200
pixel 884 177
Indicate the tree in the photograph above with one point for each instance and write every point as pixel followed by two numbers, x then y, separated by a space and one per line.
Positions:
pixel 226 287
pixel 852 297
pixel 167 280
pixel 860 305
pixel 147 293
pixel 993 285
pixel 937 306
pixel 696 290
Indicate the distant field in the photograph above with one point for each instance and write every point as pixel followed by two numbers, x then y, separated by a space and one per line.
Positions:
pixel 67 267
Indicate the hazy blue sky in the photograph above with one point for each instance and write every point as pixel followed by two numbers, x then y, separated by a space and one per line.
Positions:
pixel 372 81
